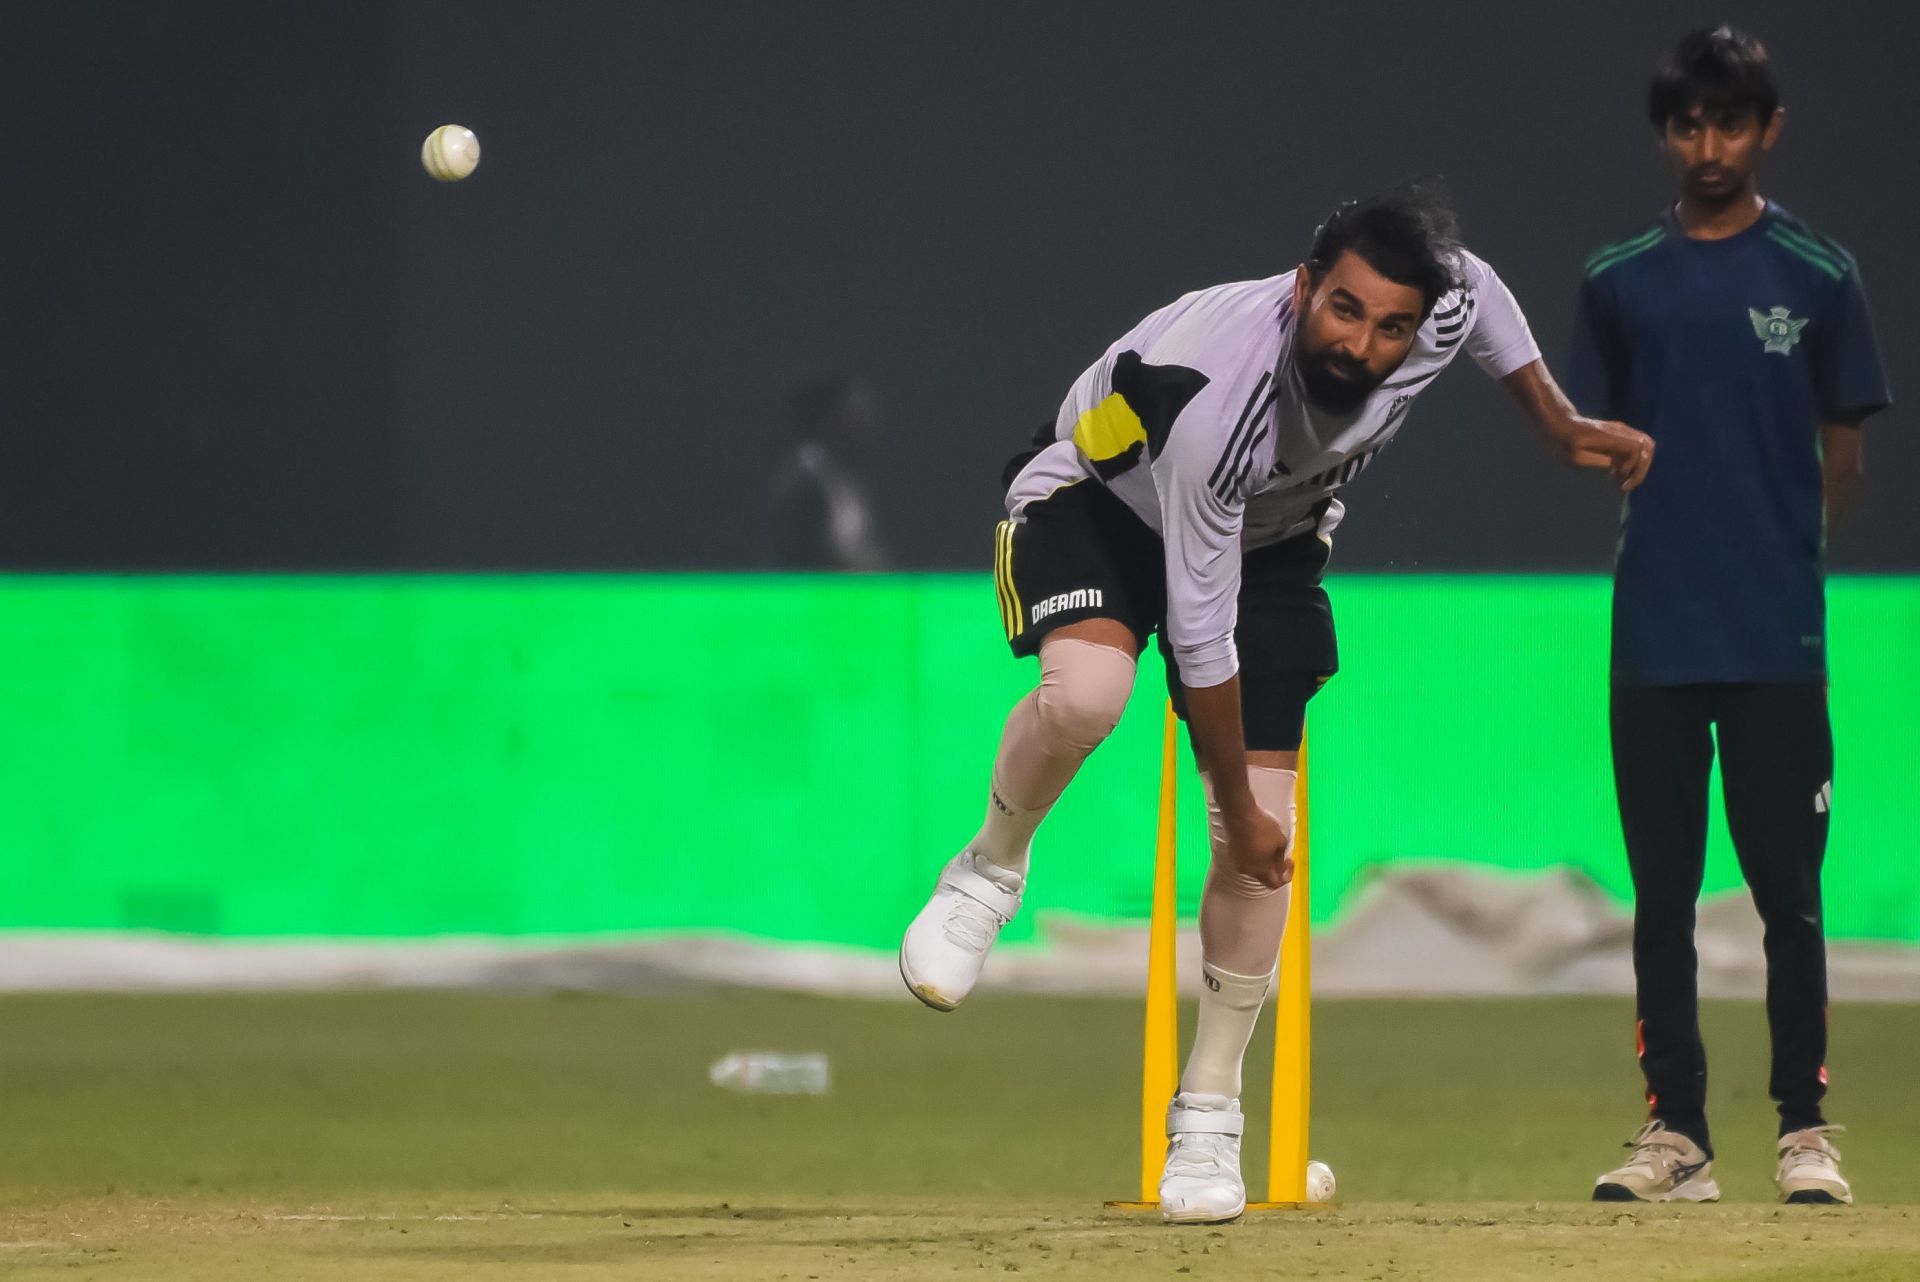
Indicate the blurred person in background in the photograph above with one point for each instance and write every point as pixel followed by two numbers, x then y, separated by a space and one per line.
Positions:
pixel 1738 338
pixel 818 514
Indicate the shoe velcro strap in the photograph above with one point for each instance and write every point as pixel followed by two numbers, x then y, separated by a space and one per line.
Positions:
pixel 1191 1121
pixel 978 888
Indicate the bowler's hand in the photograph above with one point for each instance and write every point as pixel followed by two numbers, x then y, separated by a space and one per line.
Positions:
pixel 1597 442
pixel 1257 847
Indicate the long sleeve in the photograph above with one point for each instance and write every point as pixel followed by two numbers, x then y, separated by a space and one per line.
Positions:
pixel 1201 512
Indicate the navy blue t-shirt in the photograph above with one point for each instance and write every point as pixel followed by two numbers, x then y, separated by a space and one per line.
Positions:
pixel 1730 354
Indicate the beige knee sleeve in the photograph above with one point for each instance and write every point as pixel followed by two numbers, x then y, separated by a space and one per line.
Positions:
pixel 1083 690
pixel 1241 919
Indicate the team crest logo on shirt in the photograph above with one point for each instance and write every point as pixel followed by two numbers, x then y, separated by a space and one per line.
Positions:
pixel 1778 330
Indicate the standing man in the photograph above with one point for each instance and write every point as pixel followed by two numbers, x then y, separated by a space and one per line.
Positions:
pixel 1739 339
pixel 1188 486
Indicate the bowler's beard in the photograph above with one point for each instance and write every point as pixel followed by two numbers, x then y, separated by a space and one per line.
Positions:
pixel 1334 382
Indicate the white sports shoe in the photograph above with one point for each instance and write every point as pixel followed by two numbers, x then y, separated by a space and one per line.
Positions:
pixel 1666 1166
pixel 1201 1183
pixel 1809 1168
pixel 948 942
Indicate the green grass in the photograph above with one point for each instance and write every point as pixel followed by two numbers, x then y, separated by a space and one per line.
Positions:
pixel 577 1136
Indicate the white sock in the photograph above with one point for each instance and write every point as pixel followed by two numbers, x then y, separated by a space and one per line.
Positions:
pixel 1229 1006
pixel 1005 840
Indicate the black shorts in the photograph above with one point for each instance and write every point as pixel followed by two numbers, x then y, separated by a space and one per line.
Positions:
pixel 1080 553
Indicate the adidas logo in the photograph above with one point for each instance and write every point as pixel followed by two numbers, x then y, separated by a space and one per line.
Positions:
pixel 1823 799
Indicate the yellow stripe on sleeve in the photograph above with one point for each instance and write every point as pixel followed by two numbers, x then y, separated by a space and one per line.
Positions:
pixel 1109 429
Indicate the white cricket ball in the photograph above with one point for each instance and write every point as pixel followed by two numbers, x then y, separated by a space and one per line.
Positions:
pixel 450 153
pixel 1319 1182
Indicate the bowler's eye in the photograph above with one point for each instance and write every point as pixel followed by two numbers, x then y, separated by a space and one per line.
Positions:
pixel 1345 310
pixel 1395 330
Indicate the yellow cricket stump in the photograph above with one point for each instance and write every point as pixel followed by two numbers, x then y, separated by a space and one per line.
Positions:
pixel 1160 1076
pixel 1293 1042
pixel 1293 1025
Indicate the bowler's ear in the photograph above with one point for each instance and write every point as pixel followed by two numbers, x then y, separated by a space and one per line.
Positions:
pixel 1302 289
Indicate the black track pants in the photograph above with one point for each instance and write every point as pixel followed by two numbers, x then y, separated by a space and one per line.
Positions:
pixel 1776 766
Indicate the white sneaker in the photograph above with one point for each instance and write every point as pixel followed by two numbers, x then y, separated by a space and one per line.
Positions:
pixel 947 944
pixel 1666 1166
pixel 1201 1183
pixel 1809 1168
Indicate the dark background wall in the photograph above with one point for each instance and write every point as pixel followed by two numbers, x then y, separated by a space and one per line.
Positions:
pixel 196 332
pixel 243 329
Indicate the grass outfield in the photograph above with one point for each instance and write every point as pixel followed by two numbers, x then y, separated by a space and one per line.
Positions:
pixel 416 1136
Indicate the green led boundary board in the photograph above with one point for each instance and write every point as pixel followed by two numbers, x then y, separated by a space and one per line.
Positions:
pixel 783 757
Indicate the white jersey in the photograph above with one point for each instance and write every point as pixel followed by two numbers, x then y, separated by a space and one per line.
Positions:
pixel 1196 420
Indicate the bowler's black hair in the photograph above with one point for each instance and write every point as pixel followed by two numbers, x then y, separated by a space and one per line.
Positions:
pixel 1408 234
pixel 1714 69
